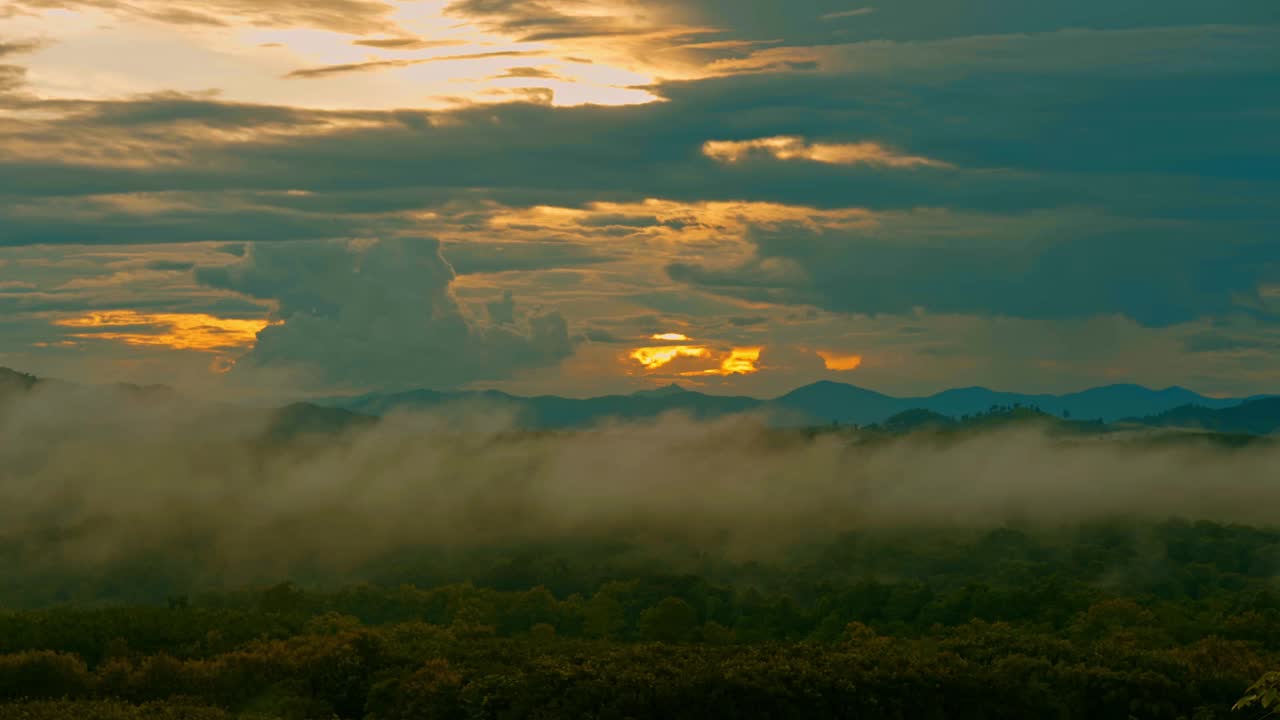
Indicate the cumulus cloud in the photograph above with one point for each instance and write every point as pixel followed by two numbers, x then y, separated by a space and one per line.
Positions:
pixel 380 314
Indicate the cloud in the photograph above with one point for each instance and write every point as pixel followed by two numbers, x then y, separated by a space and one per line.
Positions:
pixel 178 331
pixel 474 256
pixel 163 219
pixel 406 43
pixel 170 265
pixel 797 148
pixel 347 16
pixel 19 47
pixel 1092 171
pixel 14 77
pixel 925 20
pixel 840 362
pixel 380 314
pixel 840 14
pixel 326 70
pixel 528 72
pixel 1219 341
pixel 1049 266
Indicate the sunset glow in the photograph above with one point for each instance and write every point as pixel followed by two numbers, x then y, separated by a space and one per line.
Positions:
pixel 653 358
pixel 841 362
pixel 788 147
pixel 177 331
pixel 673 337
pixel 740 361
pixel 736 361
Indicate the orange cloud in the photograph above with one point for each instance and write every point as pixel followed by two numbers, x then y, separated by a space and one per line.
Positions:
pixel 793 147
pixel 177 331
pixel 842 362
pixel 741 361
pixel 653 358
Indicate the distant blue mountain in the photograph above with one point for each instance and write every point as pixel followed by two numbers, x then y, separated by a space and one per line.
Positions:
pixel 1108 403
pixel 821 403
pixel 1256 416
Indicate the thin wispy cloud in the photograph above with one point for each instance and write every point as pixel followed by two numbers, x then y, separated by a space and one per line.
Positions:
pixel 374 65
pixel 847 13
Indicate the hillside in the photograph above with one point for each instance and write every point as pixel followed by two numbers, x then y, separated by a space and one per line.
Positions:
pixel 1252 417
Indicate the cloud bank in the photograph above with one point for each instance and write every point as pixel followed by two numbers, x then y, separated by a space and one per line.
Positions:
pixel 380 314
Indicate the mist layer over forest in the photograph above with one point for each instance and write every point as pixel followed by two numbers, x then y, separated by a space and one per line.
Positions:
pixel 95 483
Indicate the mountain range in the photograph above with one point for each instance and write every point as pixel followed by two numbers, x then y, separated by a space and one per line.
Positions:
pixel 821 403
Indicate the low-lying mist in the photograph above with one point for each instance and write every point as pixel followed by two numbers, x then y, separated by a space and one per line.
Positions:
pixel 92 480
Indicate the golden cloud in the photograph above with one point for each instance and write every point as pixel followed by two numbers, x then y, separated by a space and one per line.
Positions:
pixel 794 147
pixel 740 361
pixel 653 358
pixel 737 361
pixel 841 362
pixel 176 331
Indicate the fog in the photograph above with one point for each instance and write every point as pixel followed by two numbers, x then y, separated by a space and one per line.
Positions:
pixel 89 479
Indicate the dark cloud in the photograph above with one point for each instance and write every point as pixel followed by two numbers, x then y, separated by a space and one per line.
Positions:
pixel 92 223
pixel 528 72
pixel 406 43
pixel 346 68
pixel 19 47
pixel 1054 267
pixel 380 315
pixel 923 20
pixel 480 256
pixel 14 77
pixel 543 21
pixel 372 65
pixel 600 335
pixel 1214 341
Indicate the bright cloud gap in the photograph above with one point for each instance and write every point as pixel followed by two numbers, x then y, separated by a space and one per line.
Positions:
pixel 840 362
pixel 793 147
pixel 175 331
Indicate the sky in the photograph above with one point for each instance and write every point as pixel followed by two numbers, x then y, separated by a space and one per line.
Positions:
pixel 579 197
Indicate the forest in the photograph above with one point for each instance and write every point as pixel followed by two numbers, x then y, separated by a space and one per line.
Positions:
pixel 1109 619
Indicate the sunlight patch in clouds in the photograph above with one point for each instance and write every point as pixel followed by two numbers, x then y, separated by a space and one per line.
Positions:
pixel 675 221
pixel 792 147
pixel 176 331
pixel 652 358
pixel 840 362
pixel 737 361
pixel 401 55
pixel 740 361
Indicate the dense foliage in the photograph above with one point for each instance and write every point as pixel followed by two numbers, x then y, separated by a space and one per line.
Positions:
pixel 1112 620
